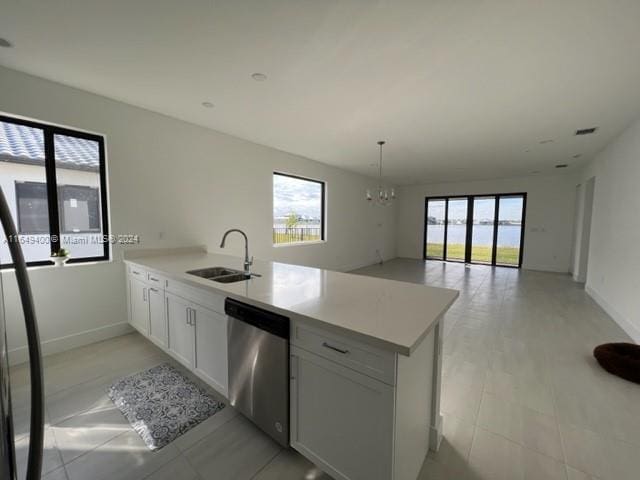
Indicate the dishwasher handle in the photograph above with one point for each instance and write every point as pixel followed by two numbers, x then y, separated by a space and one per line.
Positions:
pixel 263 319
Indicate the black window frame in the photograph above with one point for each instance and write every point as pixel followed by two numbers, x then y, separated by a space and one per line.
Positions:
pixel 52 189
pixel 323 186
pixel 469 226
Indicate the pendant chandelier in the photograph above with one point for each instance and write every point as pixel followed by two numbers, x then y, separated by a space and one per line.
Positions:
pixel 383 196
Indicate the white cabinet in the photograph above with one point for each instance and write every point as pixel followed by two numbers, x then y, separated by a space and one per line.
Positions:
pixel 181 331
pixel 359 412
pixel 211 347
pixel 157 316
pixel 172 316
pixel 341 419
pixel 139 305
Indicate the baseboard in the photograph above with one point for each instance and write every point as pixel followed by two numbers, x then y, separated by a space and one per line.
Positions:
pixel 356 266
pixel 56 345
pixel 435 434
pixel 617 317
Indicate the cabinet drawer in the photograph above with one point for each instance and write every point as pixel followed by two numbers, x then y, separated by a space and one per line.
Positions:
pixel 204 298
pixel 358 356
pixel 156 280
pixel 138 272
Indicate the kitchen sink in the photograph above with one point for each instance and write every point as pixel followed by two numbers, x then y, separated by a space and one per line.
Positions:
pixel 213 272
pixel 236 277
pixel 221 274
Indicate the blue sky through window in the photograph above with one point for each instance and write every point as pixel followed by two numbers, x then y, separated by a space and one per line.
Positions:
pixel 296 195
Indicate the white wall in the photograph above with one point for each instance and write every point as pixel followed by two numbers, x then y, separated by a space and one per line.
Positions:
pixel 613 277
pixel 582 234
pixel 549 218
pixel 176 184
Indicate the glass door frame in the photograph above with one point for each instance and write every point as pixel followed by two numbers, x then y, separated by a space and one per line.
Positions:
pixel 469 232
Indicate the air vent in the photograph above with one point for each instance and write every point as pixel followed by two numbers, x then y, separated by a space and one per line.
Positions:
pixel 562 165
pixel 586 131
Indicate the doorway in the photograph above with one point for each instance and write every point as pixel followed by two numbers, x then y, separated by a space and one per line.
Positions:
pixel 478 229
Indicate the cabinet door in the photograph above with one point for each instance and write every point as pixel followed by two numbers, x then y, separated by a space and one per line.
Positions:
pixel 181 333
pixel 340 419
pixel 211 347
pixel 157 316
pixel 139 306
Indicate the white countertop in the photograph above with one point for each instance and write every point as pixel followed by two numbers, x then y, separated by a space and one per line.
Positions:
pixel 386 313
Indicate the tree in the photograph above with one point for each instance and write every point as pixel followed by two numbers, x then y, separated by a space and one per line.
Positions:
pixel 292 221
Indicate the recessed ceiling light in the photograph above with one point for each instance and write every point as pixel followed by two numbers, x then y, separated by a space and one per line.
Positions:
pixel 259 77
pixel 562 165
pixel 586 131
pixel 5 43
pixel 207 104
pixel 542 142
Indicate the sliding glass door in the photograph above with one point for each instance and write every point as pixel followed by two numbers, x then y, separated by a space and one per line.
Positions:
pixel 481 229
pixel 435 240
pixel 483 225
pixel 509 233
pixel 457 229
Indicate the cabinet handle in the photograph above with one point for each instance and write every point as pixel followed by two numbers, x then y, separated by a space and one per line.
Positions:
pixel 154 290
pixel 144 294
pixel 135 272
pixel 335 349
pixel 153 279
pixel 188 315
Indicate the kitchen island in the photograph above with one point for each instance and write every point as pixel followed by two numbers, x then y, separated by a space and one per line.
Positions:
pixel 365 353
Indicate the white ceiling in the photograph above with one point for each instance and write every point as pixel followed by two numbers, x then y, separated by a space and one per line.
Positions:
pixel 461 90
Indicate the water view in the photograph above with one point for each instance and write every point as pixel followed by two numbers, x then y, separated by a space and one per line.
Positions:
pixel 496 225
pixel 509 235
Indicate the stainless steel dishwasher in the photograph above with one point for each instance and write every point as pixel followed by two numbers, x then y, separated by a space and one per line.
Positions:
pixel 258 349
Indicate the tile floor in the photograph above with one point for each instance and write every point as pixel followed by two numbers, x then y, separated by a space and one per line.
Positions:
pixel 522 396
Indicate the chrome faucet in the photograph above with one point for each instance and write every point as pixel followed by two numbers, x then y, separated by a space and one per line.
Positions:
pixel 247 261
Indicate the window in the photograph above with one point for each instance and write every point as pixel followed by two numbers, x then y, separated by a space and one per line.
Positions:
pixel 33 212
pixel 298 209
pixel 79 209
pixel 482 229
pixel 54 181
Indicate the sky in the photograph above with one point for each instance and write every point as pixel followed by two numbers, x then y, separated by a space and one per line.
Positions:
pixel 296 195
pixel 510 209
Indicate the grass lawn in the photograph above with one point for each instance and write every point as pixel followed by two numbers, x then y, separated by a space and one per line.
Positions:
pixel 504 255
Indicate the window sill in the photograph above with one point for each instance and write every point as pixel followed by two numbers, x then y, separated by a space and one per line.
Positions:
pixel 298 244
pixel 67 265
